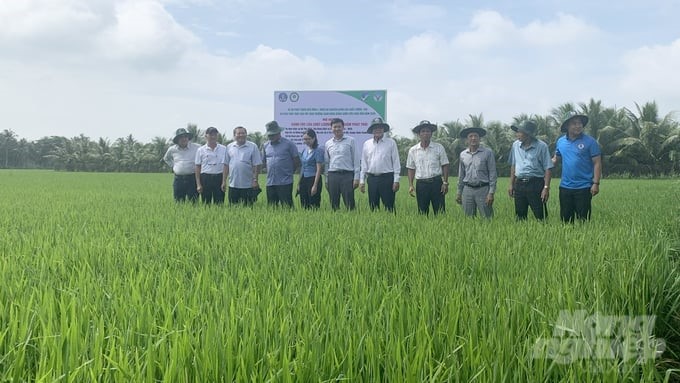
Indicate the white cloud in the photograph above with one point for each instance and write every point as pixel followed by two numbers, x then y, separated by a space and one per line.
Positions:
pixel 651 72
pixel 431 75
pixel 491 29
pixel 145 32
pixel 141 32
pixel 49 26
pixel 566 29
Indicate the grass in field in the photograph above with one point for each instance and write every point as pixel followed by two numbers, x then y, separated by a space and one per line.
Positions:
pixel 106 279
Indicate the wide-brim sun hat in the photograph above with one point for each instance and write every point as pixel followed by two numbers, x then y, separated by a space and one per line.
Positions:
pixel 424 124
pixel 378 123
pixel 571 115
pixel 182 132
pixel 464 133
pixel 273 128
pixel 527 127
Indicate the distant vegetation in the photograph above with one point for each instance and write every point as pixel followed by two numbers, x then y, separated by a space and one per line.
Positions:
pixel 635 143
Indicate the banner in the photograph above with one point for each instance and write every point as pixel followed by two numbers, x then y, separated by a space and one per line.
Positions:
pixel 297 111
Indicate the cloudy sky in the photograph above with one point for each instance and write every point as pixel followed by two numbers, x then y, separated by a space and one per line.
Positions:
pixel 109 68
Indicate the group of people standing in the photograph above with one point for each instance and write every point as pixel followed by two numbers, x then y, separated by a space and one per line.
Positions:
pixel 213 170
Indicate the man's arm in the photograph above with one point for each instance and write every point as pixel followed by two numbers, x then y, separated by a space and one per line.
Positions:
pixel 597 175
pixel 445 179
pixel 411 175
pixel 167 158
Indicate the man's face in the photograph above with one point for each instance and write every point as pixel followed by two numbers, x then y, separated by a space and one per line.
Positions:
pixel 378 132
pixel 338 129
pixel 275 137
pixel 211 137
pixel 575 126
pixel 522 137
pixel 183 141
pixel 473 139
pixel 240 136
pixel 425 134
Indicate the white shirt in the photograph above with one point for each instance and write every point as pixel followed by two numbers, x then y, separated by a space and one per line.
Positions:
pixel 211 160
pixel 428 161
pixel 379 157
pixel 182 160
pixel 241 161
pixel 342 155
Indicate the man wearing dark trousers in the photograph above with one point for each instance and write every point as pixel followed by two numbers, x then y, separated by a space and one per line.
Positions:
pixel 180 157
pixel 281 158
pixel 530 174
pixel 209 167
pixel 342 165
pixel 428 164
pixel 581 168
pixel 241 167
pixel 380 165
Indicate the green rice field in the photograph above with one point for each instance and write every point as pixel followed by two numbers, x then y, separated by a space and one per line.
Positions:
pixel 105 279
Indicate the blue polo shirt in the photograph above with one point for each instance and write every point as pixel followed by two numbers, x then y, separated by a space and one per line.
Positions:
pixel 577 160
pixel 279 158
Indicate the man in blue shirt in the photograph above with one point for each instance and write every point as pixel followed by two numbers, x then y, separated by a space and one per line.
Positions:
pixel 581 168
pixel 530 166
pixel 281 158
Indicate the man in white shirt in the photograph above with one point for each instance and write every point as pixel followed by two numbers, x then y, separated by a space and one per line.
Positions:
pixel 209 168
pixel 380 165
pixel 242 166
pixel 428 164
pixel 180 157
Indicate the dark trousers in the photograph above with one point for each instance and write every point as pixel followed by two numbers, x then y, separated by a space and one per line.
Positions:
pixel 575 203
pixel 307 200
pixel 244 196
pixel 341 184
pixel 212 188
pixel 430 192
pixel 280 195
pixel 184 188
pixel 528 194
pixel 380 188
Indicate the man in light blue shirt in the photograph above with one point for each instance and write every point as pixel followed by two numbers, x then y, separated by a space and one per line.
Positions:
pixel 530 174
pixel 281 158
pixel 342 164
pixel 241 166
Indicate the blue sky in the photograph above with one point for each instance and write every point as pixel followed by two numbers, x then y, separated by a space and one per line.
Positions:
pixel 146 67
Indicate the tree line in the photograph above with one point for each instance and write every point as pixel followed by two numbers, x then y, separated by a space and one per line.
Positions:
pixel 638 142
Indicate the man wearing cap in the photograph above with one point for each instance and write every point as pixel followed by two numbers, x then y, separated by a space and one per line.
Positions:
pixel 581 168
pixel 476 175
pixel 342 166
pixel 241 165
pixel 281 158
pixel 428 164
pixel 380 164
pixel 530 166
pixel 209 168
pixel 180 157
